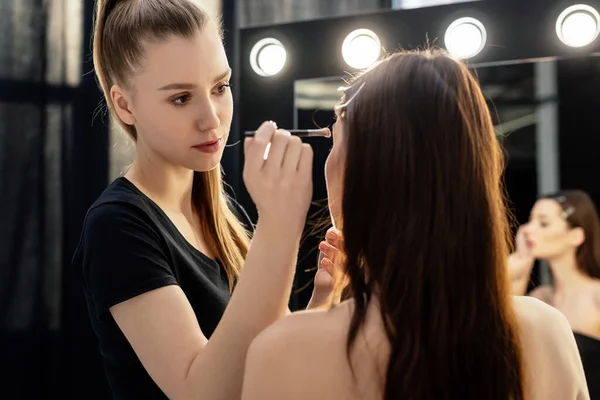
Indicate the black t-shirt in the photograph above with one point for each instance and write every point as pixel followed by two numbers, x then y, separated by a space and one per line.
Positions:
pixel 128 247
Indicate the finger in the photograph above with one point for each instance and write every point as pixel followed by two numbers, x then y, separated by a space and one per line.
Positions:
pixel 292 156
pixel 279 143
pixel 306 162
pixel 257 146
pixel 334 237
pixel 328 266
pixel 329 251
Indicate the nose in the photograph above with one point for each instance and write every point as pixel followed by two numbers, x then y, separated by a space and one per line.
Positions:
pixel 208 116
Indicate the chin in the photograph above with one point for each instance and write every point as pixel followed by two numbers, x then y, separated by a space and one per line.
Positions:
pixel 205 162
pixel 205 167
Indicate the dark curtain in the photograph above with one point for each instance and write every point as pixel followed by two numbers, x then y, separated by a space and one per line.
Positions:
pixel 53 164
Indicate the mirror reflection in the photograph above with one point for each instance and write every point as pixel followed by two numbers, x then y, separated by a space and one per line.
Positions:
pixel 543 112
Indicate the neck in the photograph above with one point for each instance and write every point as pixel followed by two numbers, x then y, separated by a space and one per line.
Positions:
pixel 168 185
pixel 566 273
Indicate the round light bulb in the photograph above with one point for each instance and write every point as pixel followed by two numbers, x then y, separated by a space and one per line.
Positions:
pixel 465 37
pixel 361 48
pixel 578 25
pixel 268 57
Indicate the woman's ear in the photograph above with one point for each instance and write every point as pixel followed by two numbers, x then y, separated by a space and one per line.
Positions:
pixel 577 236
pixel 122 103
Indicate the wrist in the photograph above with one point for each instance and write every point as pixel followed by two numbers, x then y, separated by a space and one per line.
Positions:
pixel 281 226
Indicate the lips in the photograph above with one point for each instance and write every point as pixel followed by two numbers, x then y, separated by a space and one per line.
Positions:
pixel 210 143
pixel 209 147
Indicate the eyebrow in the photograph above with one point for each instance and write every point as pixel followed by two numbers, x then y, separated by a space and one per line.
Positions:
pixel 541 216
pixel 191 86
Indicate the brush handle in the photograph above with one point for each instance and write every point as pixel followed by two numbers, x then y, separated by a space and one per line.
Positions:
pixel 324 132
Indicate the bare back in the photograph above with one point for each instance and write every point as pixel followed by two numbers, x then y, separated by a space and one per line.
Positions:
pixel 304 356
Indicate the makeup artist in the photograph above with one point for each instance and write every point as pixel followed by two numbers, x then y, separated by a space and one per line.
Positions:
pixel 163 247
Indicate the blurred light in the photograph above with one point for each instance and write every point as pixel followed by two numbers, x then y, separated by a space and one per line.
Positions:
pixel 361 48
pixel 577 26
pixel 465 37
pixel 268 57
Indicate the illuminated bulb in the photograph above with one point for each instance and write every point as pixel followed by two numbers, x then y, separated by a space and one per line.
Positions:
pixel 577 26
pixel 268 57
pixel 465 37
pixel 361 48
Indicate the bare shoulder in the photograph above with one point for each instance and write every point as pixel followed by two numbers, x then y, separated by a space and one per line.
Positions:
pixel 540 322
pixel 302 331
pixel 543 293
pixel 534 312
pixel 551 358
pixel 290 348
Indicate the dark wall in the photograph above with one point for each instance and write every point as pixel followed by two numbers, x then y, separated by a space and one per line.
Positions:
pixel 579 109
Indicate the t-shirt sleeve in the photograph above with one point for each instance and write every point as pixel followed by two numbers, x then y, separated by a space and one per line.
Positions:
pixel 121 256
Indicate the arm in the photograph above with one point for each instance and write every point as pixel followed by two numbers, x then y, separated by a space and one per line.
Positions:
pixel 518 275
pixel 192 366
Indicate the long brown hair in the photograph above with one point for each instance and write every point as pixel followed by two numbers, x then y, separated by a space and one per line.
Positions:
pixel 121 27
pixel 580 212
pixel 425 229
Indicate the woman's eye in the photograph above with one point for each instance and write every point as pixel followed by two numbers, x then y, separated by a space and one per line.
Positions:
pixel 181 100
pixel 223 88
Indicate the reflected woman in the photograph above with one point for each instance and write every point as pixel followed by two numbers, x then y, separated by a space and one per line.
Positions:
pixel 564 230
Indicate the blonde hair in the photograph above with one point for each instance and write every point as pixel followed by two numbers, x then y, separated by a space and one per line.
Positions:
pixel 120 29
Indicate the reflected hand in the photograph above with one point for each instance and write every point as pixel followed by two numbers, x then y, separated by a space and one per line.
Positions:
pixel 520 264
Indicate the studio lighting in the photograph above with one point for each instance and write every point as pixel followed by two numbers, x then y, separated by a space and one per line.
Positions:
pixel 577 26
pixel 465 37
pixel 268 57
pixel 361 48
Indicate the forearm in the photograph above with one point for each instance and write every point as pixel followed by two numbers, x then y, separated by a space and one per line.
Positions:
pixel 260 298
pixel 519 274
pixel 518 287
